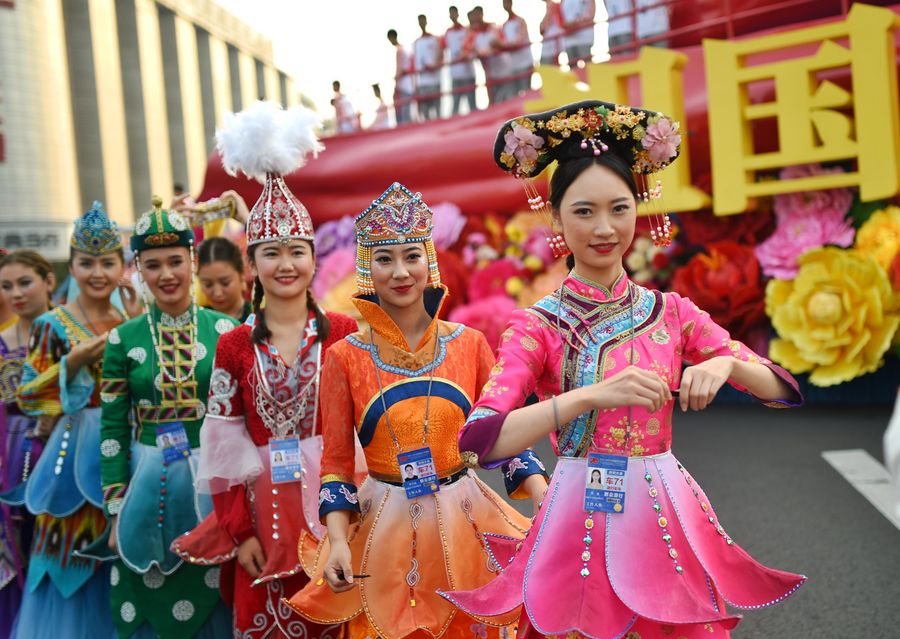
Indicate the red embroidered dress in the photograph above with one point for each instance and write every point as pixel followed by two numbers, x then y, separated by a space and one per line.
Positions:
pixel 234 467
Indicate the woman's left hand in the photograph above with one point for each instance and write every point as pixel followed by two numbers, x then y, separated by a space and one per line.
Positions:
pixel 130 298
pixel 700 383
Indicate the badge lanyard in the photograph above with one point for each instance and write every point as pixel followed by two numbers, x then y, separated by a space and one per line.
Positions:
pixel 606 474
pixel 423 481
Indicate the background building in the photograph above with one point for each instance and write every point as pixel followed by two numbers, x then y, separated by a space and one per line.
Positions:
pixel 115 100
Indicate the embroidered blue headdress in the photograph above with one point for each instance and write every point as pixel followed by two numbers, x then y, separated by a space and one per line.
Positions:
pixel 95 233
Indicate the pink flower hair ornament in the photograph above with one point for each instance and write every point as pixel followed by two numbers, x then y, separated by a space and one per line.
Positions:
pixel 646 140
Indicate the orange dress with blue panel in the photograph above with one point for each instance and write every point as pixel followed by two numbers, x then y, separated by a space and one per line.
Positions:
pixel 409 547
pixel 378 389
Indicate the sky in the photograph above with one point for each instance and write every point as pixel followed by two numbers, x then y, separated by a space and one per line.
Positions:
pixel 317 42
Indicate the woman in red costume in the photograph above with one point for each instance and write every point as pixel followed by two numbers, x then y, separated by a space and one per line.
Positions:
pixel 261 456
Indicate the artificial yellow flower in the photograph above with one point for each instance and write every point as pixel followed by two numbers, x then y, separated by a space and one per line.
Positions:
pixel 880 236
pixel 835 319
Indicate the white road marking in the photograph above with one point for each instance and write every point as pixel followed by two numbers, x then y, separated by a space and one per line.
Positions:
pixel 866 475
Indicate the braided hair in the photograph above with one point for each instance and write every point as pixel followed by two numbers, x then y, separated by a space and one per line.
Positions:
pixel 261 332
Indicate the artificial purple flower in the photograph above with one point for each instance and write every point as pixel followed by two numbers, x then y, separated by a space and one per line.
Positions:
pixel 522 144
pixel 335 235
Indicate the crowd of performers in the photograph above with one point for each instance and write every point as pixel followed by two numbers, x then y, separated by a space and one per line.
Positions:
pixel 278 470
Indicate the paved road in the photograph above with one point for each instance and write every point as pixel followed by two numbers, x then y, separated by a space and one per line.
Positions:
pixel 763 472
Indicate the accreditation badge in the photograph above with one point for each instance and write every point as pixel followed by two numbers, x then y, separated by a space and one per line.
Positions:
pixel 173 440
pixel 604 489
pixel 284 460
pixel 417 472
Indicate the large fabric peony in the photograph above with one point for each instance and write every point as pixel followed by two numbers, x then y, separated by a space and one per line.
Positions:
pixel 836 319
pixel 725 281
pixel 806 220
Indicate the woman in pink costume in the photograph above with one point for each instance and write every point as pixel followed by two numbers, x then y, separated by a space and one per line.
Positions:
pixel 605 355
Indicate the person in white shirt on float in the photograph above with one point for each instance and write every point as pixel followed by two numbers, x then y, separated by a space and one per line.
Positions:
pixel 552 33
pixel 382 118
pixel 578 23
pixel 427 57
pixel 346 118
pixel 653 22
pixel 403 81
pixel 484 42
pixel 462 69
pixel 516 43
pixel 621 26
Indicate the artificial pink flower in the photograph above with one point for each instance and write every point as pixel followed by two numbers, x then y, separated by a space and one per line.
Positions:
pixel 491 280
pixel 833 201
pixel 797 232
pixel 536 244
pixel 475 247
pixel 661 140
pixel 448 224
pixel 334 235
pixel 488 315
pixel 522 144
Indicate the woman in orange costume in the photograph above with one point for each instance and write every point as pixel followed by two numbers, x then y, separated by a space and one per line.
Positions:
pixel 393 543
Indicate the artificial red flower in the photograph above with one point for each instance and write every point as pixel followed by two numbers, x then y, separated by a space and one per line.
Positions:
pixel 702 227
pixel 660 261
pixel 456 278
pixel 725 282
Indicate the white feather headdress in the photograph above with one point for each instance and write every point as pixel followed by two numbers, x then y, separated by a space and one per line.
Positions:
pixel 265 138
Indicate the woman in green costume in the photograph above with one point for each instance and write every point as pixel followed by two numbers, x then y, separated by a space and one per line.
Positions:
pixel 156 372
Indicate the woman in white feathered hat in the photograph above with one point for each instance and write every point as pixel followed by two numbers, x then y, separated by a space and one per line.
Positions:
pixel 260 444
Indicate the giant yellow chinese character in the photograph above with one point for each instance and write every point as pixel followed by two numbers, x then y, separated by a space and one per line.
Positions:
pixel 656 73
pixel 817 121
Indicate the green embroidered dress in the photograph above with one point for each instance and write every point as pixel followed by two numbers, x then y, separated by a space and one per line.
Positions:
pixel 155 500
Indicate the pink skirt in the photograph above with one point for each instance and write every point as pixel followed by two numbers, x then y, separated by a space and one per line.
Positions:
pixel 663 567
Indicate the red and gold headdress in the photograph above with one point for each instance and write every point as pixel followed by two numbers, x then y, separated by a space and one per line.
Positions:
pixel 265 142
pixel 398 216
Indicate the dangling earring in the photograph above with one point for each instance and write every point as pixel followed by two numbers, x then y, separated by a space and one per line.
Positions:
pixel 558 246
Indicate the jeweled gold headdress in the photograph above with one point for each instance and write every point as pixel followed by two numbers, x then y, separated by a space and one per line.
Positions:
pixel 398 216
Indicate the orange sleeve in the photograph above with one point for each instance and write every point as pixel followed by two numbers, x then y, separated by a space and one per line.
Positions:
pixel 338 491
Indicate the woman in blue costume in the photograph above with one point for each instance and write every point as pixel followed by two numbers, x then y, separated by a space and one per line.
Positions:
pixel 156 373
pixel 26 282
pixel 61 379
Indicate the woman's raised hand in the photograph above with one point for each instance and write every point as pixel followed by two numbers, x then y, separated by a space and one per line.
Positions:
pixel 700 383
pixel 632 387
